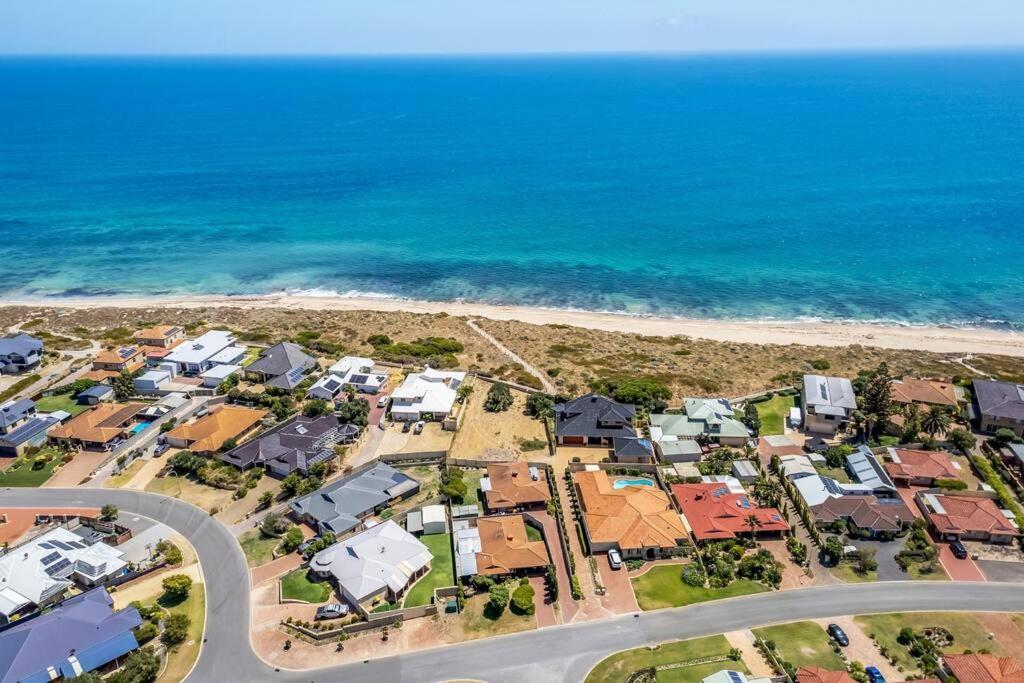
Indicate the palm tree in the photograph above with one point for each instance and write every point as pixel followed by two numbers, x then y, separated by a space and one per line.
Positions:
pixel 753 523
pixel 767 491
pixel 936 420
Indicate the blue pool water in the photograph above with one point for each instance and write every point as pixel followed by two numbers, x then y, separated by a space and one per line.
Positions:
pixel 857 186
pixel 138 428
pixel 623 483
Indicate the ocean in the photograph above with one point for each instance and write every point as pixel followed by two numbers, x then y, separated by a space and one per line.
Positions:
pixel 872 187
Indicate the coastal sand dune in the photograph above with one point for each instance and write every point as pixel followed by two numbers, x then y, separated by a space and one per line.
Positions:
pixel 919 338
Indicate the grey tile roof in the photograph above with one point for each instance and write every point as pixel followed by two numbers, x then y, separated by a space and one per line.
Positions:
pixel 14 411
pixel 626 447
pixel 280 358
pixel 297 443
pixel 27 431
pixel 339 506
pixel 20 344
pixel 594 415
pixel 1000 399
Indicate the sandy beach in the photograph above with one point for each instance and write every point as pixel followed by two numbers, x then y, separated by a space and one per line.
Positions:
pixel 919 338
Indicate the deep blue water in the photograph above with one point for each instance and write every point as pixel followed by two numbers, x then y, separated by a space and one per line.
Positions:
pixel 833 186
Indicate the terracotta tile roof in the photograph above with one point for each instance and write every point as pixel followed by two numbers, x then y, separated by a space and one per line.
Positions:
pixel 983 668
pixel 713 512
pixel 927 391
pixel 209 432
pixel 632 517
pixel 122 355
pixel 782 445
pixel 505 547
pixel 100 375
pixel 915 464
pixel 512 485
pixel 815 674
pixel 101 424
pixel 158 332
pixel 970 513
pixel 864 511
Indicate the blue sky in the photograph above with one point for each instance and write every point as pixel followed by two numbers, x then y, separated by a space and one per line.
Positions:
pixel 499 26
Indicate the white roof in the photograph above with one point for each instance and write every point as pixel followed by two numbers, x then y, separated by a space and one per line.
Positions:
pixel 434 513
pixel 829 395
pixel 221 371
pixel 155 376
pixel 230 355
pixel 796 466
pixel 467 545
pixel 732 483
pixel 384 556
pixel 350 363
pixel 175 399
pixel 46 565
pixel 430 391
pixel 202 348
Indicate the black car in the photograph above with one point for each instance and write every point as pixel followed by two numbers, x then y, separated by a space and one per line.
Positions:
pixel 837 634
pixel 959 550
pixel 406 426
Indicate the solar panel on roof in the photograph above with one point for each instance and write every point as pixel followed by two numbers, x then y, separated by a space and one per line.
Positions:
pixel 735 677
pixel 46 545
pixel 823 391
pixel 832 487
pixel 126 352
pixel 61 544
pixel 54 568
pixel 76 544
pixel 51 558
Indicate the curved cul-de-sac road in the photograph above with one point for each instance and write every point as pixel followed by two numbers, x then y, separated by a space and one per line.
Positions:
pixel 560 653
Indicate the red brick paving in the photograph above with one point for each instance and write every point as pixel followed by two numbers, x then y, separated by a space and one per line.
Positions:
pixel 620 598
pixel 566 604
pixel 21 520
pixel 278 567
pixel 958 570
pixel 545 610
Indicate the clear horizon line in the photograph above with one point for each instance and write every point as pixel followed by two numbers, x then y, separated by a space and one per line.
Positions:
pixel 762 51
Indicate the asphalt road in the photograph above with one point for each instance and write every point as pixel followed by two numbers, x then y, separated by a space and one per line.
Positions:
pixel 561 653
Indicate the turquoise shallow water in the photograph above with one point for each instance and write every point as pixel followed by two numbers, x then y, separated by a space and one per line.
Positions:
pixel 870 187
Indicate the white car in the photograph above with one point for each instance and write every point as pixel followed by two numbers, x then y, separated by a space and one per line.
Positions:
pixel 419 427
pixel 614 559
pixel 382 402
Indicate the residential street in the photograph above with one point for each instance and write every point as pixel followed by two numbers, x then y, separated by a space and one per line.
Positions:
pixel 562 653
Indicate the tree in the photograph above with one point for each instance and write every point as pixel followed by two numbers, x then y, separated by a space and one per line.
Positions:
pixel 835 456
pixel 264 501
pixel 108 512
pixel 464 391
pixel 911 423
pixel 228 445
pixel 540 405
pixel 168 425
pixel 355 412
pixel 124 385
pixel 961 439
pixel 752 418
pixel 292 539
pixel 142 666
pixel 176 587
pixel 315 408
pixel 865 560
pixel 522 599
pixel 497 600
pixel 753 524
pixel 768 491
pixel 833 549
pixel 499 398
pixel 275 525
pixel 175 629
pixel 1003 436
pixel 290 484
pixel 92 677
pixel 876 399
pixel 171 552
pixel 453 484
pixel 936 420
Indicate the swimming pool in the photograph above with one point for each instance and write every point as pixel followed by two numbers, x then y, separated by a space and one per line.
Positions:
pixel 138 428
pixel 623 483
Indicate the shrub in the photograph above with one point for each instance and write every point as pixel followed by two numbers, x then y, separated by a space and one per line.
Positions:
pixel 292 539
pixel 175 629
pixel 171 552
pixel 176 587
pixel 498 599
pixel 693 575
pixel 499 398
pixel 522 599
pixel 951 484
pixel 146 632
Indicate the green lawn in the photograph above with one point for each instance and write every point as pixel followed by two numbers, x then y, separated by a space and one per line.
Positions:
pixel 24 475
pixel 533 533
pixel 180 661
pixel 773 413
pixel 296 586
pixel 662 586
pixel 258 547
pixel 441 572
pixel 967 633
pixel 845 572
pixel 48 404
pixel 803 643
pixel 472 479
pixel 619 666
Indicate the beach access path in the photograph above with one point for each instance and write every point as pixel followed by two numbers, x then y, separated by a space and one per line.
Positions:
pixel 516 358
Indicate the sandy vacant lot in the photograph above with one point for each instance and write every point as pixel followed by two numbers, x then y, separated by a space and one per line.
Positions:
pixel 506 436
pixel 433 438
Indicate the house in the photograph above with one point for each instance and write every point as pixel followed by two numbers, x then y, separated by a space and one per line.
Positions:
pixel 151 382
pixel 200 354
pixel 710 418
pixel 160 336
pixel 911 467
pixel 101 427
pixel 678 451
pixel 30 434
pixel 729 676
pixel 815 674
pixel 378 563
pixel 282 366
pixel 82 634
pixel 983 668
pixel 430 394
pixel 828 403
pixel 168 403
pixel 637 520
pixel 515 486
pixel 341 506
pixel 94 395
pixel 745 470
pixel 293 446
pixel 112 362
pixel 864 467
pixel 777 445
pixel 19 353
pixel 350 371
pixel 593 420
pixel 216 375
pixel 210 432
pixel 506 549
pixel 797 466
pixel 999 405
pixel 870 514
pixel 925 392
pixel 966 516
pixel 15 413
pixel 633 449
pixel 713 512
pixel 39 572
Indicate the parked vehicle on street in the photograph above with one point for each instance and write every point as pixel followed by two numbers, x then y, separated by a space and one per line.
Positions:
pixel 959 550
pixel 614 559
pixel 332 611
pixel 837 634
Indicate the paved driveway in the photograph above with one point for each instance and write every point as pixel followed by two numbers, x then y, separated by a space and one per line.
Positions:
pixel 885 553
pixel 958 570
pixel 1004 572
pixel 619 598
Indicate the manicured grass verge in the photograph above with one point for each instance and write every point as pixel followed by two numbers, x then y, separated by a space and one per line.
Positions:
pixel 619 666
pixel 967 633
pixel 296 586
pixel 441 571
pixel 773 414
pixel 662 586
pixel 126 475
pixel 845 572
pixel 938 575
pixel 24 476
pixel 48 404
pixel 258 547
pixel 802 643
pixel 180 661
pixel 476 623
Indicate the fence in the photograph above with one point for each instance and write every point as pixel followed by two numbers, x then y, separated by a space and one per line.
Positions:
pixel 646 468
pixel 436 457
